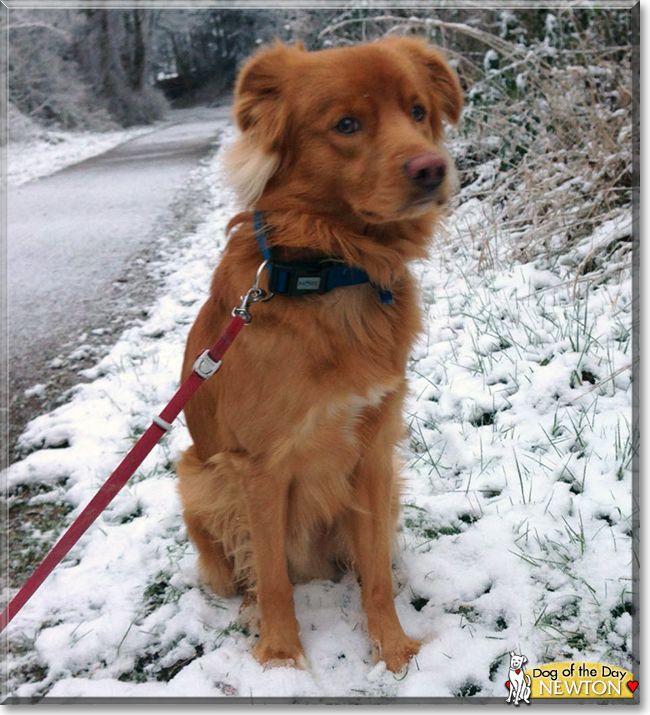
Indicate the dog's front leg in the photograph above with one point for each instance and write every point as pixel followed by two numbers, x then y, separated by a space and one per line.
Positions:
pixel 372 532
pixel 279 641
pixel 515 692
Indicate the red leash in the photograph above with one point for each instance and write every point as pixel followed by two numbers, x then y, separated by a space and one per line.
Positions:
pixel 205 366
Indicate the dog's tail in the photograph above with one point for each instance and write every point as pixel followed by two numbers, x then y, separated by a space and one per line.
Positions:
pixel 527 680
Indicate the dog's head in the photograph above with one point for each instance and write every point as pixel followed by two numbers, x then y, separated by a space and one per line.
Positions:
pixel 516 661
pixel 349 132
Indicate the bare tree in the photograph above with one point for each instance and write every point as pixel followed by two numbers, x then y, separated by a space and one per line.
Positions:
pixel 112 51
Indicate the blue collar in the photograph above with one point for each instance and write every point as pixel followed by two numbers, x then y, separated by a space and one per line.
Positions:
pixel 310 276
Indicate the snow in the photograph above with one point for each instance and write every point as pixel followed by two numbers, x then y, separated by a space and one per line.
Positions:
pixel 53 151
pixel 515 529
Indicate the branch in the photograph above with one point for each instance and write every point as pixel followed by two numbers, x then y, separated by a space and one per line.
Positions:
pixel 507 48
pixel 40 26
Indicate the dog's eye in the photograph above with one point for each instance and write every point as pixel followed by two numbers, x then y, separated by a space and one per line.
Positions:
pixel 418 112
pixel 348 125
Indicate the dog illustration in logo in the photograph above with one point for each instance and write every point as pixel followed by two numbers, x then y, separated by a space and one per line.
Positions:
pixel 519 682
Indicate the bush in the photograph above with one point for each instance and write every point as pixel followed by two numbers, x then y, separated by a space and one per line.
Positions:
pixel 45 84
pixel 81 69
pixel 130 107
pixel 555 118
pixel 21 127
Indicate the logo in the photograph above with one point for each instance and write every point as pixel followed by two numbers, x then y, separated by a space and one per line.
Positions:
pixel 308 283
pixel 567 680
pixel 519 682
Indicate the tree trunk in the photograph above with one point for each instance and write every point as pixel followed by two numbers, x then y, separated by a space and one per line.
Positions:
pixel 139 50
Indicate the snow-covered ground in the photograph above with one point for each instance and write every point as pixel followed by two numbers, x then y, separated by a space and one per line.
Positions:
pixel 52 151
pixel 516 525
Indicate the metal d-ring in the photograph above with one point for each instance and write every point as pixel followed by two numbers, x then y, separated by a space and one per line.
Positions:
pixel 253 295
pixel 256 286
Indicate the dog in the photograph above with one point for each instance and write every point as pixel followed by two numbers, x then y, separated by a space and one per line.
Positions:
pixel 291 475
pixel 519 681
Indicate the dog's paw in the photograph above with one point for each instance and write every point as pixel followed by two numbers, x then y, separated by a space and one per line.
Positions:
pixel 301 663
pixel 396 652
pixel 272 655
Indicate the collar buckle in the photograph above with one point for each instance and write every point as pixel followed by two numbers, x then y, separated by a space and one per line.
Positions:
pixel 306 277
pixel 299 277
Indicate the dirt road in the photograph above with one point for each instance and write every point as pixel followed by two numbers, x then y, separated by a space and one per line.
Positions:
pixel 79 242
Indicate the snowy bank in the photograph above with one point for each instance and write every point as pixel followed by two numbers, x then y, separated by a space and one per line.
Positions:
pixel 53 151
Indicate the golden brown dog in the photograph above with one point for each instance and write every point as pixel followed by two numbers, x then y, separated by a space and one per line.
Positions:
pixel 291 475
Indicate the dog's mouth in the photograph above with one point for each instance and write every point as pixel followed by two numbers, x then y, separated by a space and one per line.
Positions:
pixel 427 202
pixel 413 206
pixel 410 210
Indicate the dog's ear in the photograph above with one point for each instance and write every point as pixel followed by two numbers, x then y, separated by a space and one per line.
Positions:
pixel 261 113
pixel 259 105
pixel 443 80
pixel 524 659
pixel 512 653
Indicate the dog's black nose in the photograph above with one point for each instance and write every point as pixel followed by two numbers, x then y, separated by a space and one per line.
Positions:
pixel 427 171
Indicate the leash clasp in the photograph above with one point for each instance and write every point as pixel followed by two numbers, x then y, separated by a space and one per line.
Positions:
pixel 253 295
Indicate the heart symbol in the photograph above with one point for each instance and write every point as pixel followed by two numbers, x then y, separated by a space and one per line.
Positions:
pixel 508 684
pixel 517 671
pixel 632 684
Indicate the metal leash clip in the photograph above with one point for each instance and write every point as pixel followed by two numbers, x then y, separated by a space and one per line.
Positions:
pixel 254 295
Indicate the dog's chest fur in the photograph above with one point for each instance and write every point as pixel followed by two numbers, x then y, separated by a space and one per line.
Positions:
pixel 337 378
pixel 322 450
